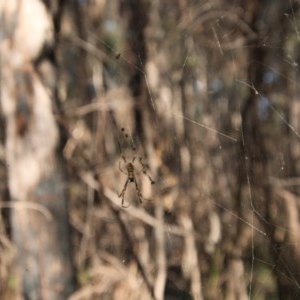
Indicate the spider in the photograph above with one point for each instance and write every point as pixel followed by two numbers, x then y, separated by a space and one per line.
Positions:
pixel 131 173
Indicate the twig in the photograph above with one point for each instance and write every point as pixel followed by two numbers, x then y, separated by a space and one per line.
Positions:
pixel 142 215
pixel 161 262
pixel 28 205
pixel 134 212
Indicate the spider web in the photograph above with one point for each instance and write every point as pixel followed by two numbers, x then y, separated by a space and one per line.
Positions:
pixel 208 135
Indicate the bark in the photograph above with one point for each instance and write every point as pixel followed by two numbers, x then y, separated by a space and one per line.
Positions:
pixel 36 174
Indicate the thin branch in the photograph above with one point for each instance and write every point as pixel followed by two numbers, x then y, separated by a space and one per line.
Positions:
pixel 132 211
pixel 161 261
pixel 28 205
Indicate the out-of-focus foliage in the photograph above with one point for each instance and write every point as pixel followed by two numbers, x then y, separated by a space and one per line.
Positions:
pixel 208 92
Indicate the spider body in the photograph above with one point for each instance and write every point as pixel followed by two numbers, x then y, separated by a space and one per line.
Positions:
pixel 130 172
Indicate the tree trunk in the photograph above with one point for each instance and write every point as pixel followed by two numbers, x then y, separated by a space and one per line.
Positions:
pixel 37 180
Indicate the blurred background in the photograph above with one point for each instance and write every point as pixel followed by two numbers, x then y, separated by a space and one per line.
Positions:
pixel 186 112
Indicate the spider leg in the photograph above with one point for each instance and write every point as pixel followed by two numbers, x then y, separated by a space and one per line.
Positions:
pixel 121 169
pixel 144 170
pixel 122 194
pixel 149 177
pixel 138 190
